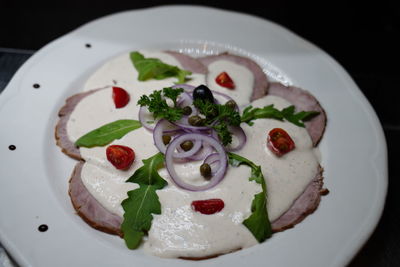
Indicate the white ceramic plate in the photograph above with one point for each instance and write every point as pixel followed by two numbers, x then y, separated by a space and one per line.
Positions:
pixel 34 176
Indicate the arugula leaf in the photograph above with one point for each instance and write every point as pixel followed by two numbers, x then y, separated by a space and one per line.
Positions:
pixel 157 104
pixel 153 68
pixel 288 113
pixel 250 114
pixel 258 222
pixel 107 133
pixel 143 201
pixel 298 118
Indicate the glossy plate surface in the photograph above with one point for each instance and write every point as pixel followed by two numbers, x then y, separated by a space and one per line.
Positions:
pixel 34 177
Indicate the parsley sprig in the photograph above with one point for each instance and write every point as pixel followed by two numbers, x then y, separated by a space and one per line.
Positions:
pixel 219 117
pixel 157 104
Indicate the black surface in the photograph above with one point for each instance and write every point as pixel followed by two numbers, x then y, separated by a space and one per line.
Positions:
pixel 362 38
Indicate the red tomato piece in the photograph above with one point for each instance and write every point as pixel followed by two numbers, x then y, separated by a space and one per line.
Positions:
pixel 120 97
pixel 279 142
pixel 224 80
pixel 121 157
pixel 208 206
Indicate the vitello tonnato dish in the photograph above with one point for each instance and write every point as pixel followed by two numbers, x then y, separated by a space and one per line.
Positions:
pixel 191 157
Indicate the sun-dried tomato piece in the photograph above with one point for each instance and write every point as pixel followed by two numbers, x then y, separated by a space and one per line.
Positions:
pixel 208 206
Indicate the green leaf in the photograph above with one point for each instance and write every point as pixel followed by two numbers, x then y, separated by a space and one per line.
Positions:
pixel 288 113
pixel 148 173
pixel 107 133
pixel 157 104
pixel 250 114
pixel 219 117
pixel 298 118
pixel 153 68
pixel 258 222
pixel 261 231
pixel 142 202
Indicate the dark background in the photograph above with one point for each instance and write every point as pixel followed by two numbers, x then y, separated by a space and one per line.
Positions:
pixel 362 38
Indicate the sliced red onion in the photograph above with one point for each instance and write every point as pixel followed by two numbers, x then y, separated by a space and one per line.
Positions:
pixel 187 87
pixel 212 158
pixel 184 124
pixel 213 161
pixel 202 153
pixel 158 134
pixel 186 154
pixel 144 116
pixel 169 161
pixel 238 132
pixel 185 99
pixel 224 96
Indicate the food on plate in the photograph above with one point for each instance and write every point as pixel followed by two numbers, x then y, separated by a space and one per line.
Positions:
pixel 191 157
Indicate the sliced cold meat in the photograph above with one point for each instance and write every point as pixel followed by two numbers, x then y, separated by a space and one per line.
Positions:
pixel 260 86
pixel 63 141
pixel 90 210
pixel 189 63
pixel 303 100
pixel 305 204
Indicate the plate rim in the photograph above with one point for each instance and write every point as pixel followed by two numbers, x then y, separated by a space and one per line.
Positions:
pixel 7 94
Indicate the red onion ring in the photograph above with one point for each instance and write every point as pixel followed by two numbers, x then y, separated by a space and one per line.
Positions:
pixel 186 154
pixel 222 95
pixel 185 99
pixel 187 87
pixel 213 161
pixel 158 134
pixel 212 158
pixel 203 152
pixel 184 124
pixel 169 161
pixel 143 112
pixel 240 135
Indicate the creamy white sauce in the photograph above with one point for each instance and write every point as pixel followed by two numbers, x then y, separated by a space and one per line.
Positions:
pixel 179 231
pixel 242 77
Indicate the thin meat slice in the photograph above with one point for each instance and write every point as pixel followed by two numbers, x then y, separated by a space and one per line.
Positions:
pixel 303 100
pixel 304 205
pixel 189 63
pixel 89 209
pixel 63 141
pixel 260 87
pixel 100 218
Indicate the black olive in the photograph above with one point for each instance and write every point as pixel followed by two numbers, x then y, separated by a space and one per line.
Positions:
pixel 187 145
pixel 205 170
pixel 166 139
pixel 196 121
pixel 187 110
pixel 231 104
pixel 202 92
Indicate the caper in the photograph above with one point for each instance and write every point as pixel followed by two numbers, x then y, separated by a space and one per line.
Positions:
pixel 187 110
pixel 187 145
pixel 166 139
pixel 196 120
pixel 231 104
pixel 205 170
pixel 204 93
